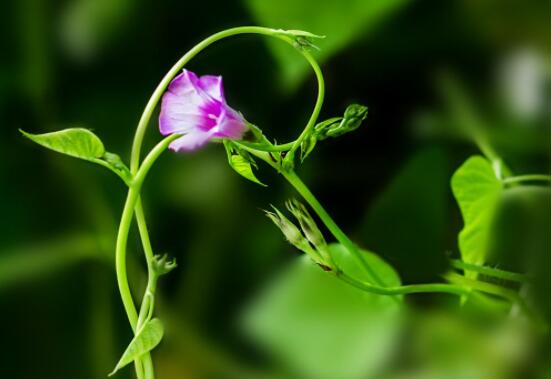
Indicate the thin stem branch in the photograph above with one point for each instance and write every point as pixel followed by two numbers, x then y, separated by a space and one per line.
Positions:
pixel 490 271
pixel 527 178
pixel 403 290
pixel 317 108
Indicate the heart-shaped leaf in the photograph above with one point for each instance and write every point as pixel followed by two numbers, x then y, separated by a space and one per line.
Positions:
pixel 477 190
pixel 146 340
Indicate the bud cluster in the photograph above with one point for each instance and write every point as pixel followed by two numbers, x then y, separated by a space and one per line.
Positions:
pixel 334 127
pixel 308 238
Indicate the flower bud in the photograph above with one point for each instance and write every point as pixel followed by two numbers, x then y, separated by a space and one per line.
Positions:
pixel 353 117
pixel 307 224
pixel 289 230
pixel 311 231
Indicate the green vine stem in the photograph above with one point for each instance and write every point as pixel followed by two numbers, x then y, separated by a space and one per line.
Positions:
pixel 122 240
pixel 527 178
pixel 133 201
pixel 489 271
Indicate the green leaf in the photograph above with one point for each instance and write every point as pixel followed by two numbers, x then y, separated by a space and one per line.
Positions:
pixel 30 262
pixel 477 191
pixel 361 18
pixel 146 340
pixel 241 162
pixel 243 168
pixel 319 327
pixel 76 142
pixel 82 143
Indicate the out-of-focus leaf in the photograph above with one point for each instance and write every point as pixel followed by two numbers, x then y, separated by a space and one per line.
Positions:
pixel 341 21
pixel 477 190
pixel 146 340
pixel 76 142
pixel 322 328
pixel 87 26
pixel 407 221
pixel 27 263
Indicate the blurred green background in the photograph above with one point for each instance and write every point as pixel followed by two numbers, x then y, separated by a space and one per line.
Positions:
pixel 240 305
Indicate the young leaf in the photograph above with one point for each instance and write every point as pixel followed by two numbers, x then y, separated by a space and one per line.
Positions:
pixel 307 146
pixel 477 190
pixel 243 168
pixel 76 142
pixel 241 162
pixel 146 340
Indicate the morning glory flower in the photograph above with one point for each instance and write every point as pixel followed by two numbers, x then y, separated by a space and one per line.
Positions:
pixel 196 108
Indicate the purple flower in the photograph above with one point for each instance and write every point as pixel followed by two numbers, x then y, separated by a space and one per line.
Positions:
pixel 196 107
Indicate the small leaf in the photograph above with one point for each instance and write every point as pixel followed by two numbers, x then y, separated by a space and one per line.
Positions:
pixel 241 162
pixel 146 340
pixel 477 190
pixel 243 168
pixel 76 142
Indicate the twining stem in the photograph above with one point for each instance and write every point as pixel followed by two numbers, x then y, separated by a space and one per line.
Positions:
pixel 317 108
pixel 124 228
pixel 122 241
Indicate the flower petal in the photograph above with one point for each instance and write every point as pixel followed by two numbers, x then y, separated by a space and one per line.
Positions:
pixel 183 107
pixel 184 83
pixel 231 124
pixel 191 141
pixel 213 86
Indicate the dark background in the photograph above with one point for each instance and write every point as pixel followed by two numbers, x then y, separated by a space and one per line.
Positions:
pixel 94 63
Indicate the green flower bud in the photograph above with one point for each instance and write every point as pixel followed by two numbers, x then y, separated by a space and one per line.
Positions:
pixel 289 230
pixel 353 117
pixel 297 239
pixel 307 223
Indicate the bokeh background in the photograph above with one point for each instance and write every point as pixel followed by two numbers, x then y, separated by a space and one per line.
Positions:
pixel 237 307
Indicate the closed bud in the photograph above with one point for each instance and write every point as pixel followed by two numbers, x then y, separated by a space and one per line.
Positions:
pixel 307 223
pixel 293 234
pixel 289 230
pixel 353 117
